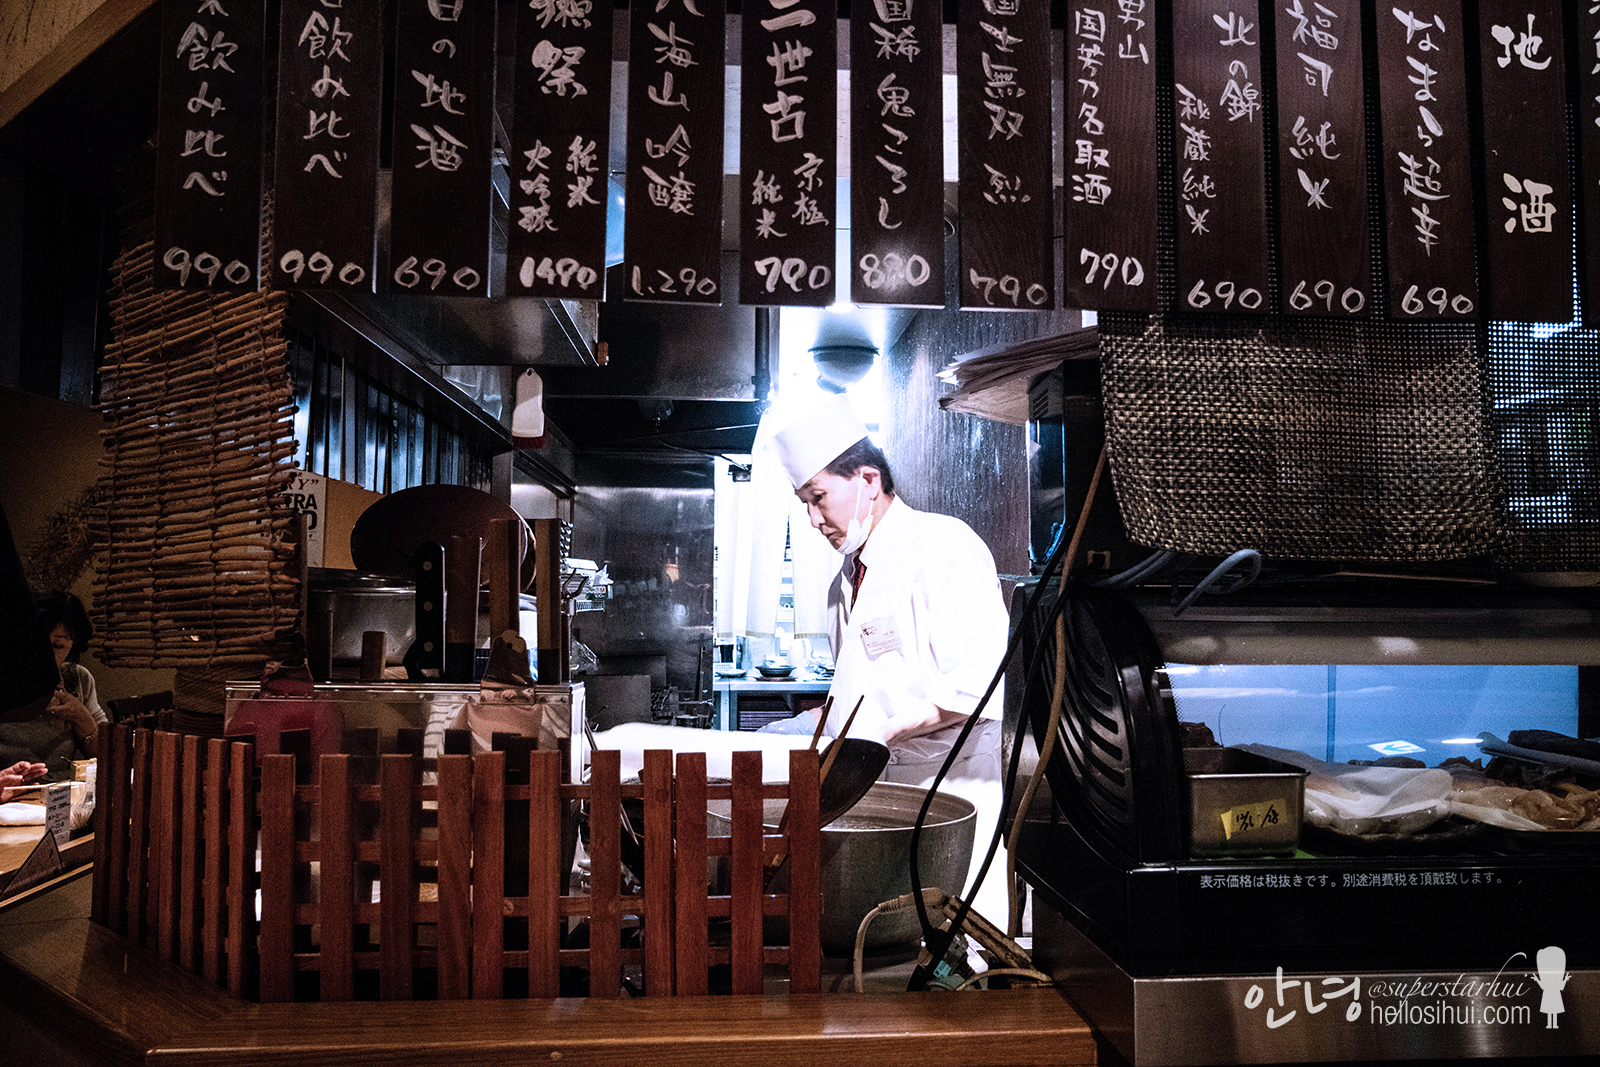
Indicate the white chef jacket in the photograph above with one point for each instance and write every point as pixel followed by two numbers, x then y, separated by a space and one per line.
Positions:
pixel 928 626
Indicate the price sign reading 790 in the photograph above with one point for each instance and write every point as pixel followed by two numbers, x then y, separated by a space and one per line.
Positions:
pixel 1003 108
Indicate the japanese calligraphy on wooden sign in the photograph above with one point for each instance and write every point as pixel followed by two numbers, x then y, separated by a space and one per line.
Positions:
pixel 1219 162
pixel 1004 124
pixel 789 111
pixel 896 154
pixel 1588 80
pixel 1110 134
pixel 330 104
pixel 1427 167
pixel 209 137
pixel 672 246
pixel 560 129
pixel 1528 235
pixel 443 133
pixel 1325 263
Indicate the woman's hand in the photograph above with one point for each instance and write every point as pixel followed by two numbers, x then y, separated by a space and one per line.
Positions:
pixel 70 710
pixel 18 774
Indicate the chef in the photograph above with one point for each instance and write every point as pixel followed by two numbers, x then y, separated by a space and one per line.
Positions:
pixel 917 623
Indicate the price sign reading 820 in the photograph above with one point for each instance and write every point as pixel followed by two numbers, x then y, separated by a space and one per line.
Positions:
pixel 892 270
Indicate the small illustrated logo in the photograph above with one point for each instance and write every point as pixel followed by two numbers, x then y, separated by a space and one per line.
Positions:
pixel 1552 978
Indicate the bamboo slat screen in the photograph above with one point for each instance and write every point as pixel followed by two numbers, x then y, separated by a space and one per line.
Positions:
pixel 196 566
pixel 399 878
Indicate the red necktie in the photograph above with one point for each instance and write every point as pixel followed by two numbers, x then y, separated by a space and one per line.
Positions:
pixel 855 581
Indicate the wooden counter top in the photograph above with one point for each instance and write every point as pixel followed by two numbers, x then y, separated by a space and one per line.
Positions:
pixel 76 994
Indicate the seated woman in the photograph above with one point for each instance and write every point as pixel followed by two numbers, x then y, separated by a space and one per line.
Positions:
pixel 68 624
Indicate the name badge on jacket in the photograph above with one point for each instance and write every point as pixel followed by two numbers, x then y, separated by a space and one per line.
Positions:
pixel 880 636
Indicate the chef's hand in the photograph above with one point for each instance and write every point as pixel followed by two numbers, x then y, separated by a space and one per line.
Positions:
pixel 909 724
pixel 18 774
pixel 70 710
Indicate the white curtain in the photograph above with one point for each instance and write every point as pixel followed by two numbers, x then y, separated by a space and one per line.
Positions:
pixel 752 520
pixel 816 565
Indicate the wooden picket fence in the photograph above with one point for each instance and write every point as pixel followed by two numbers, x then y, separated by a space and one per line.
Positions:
pixel 444 878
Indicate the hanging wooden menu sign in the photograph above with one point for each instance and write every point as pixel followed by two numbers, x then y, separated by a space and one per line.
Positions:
pixel 330 104
pixel 1325 254
pixel 560 130
pixel 1588 79
pixel 1004 123
pixel 1528 238
pixel 896 154
pixel 443 141
pixel 209 138
pixel 1111 155
pixel 1427 169
pixel 672 246
pixel 789 109
pixel 1220 166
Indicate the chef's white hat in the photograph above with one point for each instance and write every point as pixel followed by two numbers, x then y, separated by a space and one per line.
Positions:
pixel 816 434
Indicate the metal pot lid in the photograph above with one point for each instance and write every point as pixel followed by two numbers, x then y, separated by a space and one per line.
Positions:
pixel 332 579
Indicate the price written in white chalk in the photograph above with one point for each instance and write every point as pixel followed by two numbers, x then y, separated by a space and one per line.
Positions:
pixel 687 281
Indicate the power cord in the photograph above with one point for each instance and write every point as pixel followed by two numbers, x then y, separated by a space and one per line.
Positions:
pixel 937 940
pixel 1248 557
pixel 1057 692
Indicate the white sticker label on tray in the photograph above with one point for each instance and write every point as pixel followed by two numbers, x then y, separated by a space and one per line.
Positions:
pixel 1250 817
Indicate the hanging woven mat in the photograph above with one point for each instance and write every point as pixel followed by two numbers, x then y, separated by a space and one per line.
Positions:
pixel 197 560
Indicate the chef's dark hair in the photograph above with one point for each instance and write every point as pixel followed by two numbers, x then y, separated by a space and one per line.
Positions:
pixel 862 454
pixel 66 609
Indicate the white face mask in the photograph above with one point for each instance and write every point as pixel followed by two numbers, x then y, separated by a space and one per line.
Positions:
pixel 855 534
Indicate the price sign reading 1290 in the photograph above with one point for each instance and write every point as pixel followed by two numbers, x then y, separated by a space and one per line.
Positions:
pixel 685 282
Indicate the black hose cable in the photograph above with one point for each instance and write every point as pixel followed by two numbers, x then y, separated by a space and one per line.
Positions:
pixel 920 974
pixel 1151 565
pixel 1247 556
pixel 938 942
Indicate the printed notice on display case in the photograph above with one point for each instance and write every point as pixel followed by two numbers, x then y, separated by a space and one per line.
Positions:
pixel 209 118
pixel 1110 133
pixel 672 245
pixel 1219 159
pixel 330 104
pixel 1325 253
pixel 1004 127
pixel 1528 231
pixel 443 133
pixel 560 132
pixel 1431 246
pixel 896 155
pixel 789 111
